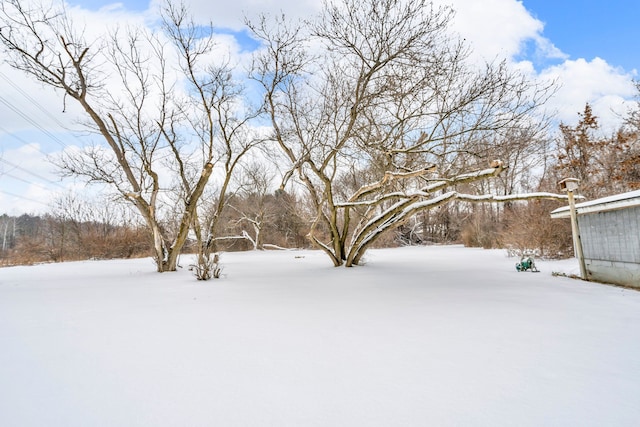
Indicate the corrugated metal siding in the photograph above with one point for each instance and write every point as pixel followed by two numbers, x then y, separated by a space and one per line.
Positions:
pixel 611 236
pixel 621 273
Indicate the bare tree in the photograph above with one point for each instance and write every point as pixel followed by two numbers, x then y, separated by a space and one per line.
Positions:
pixel 605 164
pixel 251 204
pixel 580 151
pixel 219 114
pixel 160 139
pixel 386 89
pixel 628 171
pixel 8 230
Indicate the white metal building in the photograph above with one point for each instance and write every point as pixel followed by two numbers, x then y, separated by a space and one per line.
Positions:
pixel 610 233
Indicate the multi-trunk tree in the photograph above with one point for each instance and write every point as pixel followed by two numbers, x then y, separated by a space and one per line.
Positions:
pixel 381 88
pixel 166 110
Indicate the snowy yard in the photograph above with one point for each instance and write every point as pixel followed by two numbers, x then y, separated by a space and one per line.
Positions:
pixel 423 336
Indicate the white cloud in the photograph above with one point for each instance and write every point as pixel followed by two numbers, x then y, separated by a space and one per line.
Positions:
pixel 498 27
pixel 26 180
pixel 505 29
pixel 606 88
pixel 30 182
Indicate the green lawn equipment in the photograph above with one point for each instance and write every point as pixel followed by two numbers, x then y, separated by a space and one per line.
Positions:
pixel 527 263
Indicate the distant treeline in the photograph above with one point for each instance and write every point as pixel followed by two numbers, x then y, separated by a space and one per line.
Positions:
pixel 29 239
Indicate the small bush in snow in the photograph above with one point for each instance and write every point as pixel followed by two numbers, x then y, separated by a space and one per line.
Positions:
pixel 207 267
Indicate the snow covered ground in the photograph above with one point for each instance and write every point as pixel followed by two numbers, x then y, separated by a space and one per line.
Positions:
pixel 422 336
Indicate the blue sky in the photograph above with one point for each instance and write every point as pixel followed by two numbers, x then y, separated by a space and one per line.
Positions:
pixel 589 47
pixel 589 28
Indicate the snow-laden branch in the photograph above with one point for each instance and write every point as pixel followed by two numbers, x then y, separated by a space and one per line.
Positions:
pixel 477 198
pixel 276 247
pixel 387 196
pixel 511 197
pixel 240 237
pixel 388 176
pixel 495 170
pixel 402 211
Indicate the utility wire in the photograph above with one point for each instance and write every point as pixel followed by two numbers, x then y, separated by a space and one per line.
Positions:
pixel 23 198
pixel 13 165
pixel 30 182
pixel 33 101
pixel 33 122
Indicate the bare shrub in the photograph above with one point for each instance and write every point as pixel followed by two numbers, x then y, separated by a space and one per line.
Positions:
pixel 207 266
pixel 530 227
pixel 481 232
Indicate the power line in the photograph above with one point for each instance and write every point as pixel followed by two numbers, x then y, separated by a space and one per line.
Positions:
pixel 33 122
pixel 13 165
pixel 15 136
pixel 24 198
pixel 30 182
pixel 33 101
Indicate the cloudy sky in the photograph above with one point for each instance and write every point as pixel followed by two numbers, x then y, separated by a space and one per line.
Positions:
pixel 588 46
